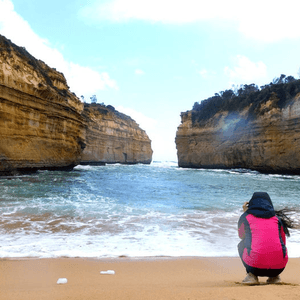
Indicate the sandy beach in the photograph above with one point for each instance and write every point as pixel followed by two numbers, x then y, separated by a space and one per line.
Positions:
pixel 159 278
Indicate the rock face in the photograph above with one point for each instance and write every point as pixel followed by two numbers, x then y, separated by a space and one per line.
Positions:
pixel 268 142
pixel 113 137
pixel 40 119
pixel 45 126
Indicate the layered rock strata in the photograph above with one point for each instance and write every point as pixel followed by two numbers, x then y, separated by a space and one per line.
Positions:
pixel 269 142
pixel 113 137
pixel 40 119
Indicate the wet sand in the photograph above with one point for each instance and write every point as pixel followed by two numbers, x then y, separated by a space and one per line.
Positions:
pixel 140 279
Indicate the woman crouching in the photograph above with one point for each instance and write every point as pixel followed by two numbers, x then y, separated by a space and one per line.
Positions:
pixel 263 232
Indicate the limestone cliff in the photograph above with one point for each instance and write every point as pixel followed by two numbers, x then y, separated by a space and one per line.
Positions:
pixel 262 136
pixel 113 137
pixel 40 119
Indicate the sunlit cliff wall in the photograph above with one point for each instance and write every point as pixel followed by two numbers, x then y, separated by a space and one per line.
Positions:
pixel 41 126
pixel 268 141
pixel 113 137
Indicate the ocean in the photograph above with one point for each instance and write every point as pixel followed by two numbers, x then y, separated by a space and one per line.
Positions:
pixel 134 211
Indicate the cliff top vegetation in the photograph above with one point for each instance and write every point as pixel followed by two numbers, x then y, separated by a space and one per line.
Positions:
pixel 105 109
pixel 283 89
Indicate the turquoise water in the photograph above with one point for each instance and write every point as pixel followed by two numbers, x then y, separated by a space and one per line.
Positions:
pixel 133 210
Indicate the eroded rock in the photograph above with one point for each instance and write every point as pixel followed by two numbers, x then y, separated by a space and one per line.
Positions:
pixel 113 137
pixel 268 141
pixel 40 119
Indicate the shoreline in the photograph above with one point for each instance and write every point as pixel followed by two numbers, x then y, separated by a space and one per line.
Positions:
pixel 139 278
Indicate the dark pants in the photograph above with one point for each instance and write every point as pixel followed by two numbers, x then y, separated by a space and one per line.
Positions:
pixel 257 271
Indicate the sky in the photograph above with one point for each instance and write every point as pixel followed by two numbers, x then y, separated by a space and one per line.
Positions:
pixel 153 59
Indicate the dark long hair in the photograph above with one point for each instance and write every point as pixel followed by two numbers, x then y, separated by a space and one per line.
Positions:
pixel 287 221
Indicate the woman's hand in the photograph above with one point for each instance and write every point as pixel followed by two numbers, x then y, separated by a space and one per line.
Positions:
pixel 245 206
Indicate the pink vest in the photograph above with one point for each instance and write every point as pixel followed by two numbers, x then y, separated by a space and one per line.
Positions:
pixel 268 249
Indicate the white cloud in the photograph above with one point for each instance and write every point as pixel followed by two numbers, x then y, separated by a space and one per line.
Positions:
pixel 139 72
pixel 14 27
pixel 85 81
pixel 270 21
pixel 265 20
pixel 206 74
pixel 81 79
pixel 246 71
pixel 203 73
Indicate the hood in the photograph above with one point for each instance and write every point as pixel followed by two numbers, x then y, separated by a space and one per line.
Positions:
pixel 261 206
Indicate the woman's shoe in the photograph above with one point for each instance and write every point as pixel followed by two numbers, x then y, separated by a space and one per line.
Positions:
pixel 250 279
pixel 274 280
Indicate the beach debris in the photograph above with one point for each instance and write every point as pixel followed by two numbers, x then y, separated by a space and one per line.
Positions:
pixel 108 272
pixel 62 280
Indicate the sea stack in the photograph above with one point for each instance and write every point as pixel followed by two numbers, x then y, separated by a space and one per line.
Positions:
pixel 113 137
pixel 257 129
pixel 40 119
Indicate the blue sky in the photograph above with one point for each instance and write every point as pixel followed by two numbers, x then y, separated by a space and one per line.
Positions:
pixel 152 59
